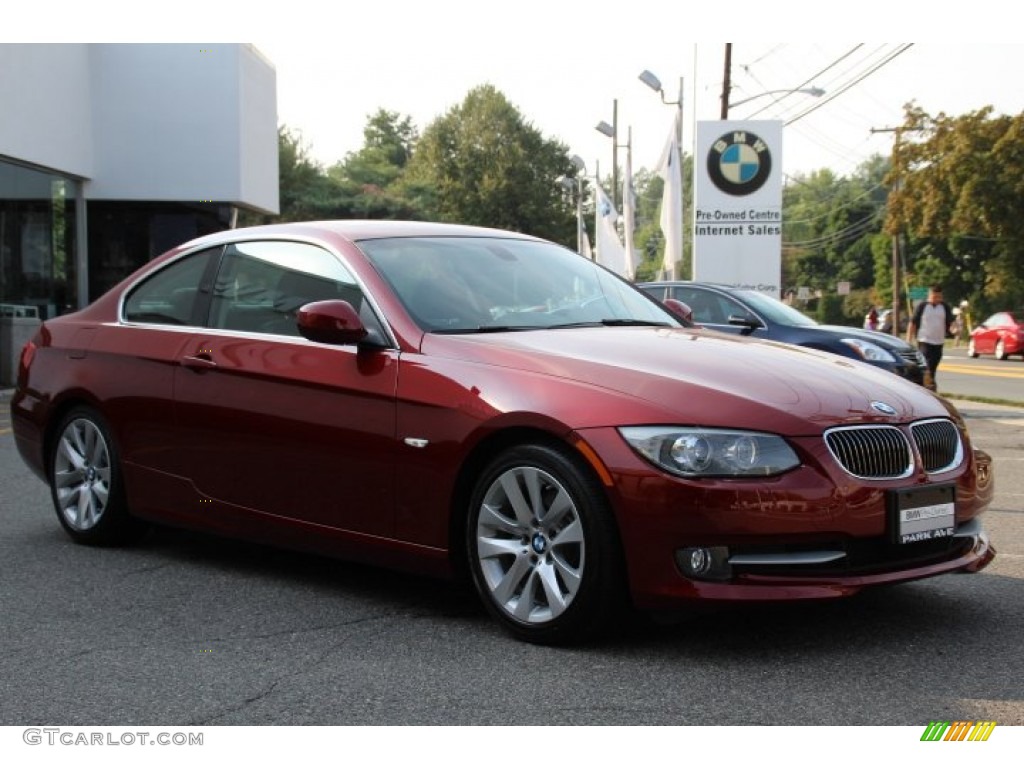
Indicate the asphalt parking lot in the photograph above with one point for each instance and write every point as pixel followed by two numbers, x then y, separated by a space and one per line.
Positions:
pixel 190 630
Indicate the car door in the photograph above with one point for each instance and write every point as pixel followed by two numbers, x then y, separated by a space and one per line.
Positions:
pixel 1003 330
pixel 279 424
pixel 986 334
pixel 157 318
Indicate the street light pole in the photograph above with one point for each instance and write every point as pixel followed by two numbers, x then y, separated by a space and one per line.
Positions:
pixel 651 80
pixel 612 132
pixel 581 168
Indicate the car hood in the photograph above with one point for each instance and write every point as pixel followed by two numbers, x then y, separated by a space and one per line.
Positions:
pixel 704 377
pixel 884 340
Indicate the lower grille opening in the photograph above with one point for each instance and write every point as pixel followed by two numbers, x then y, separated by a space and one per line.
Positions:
pixel 859 557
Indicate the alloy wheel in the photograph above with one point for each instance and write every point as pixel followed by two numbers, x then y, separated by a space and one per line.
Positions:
pixel 82 474
pixel 530 544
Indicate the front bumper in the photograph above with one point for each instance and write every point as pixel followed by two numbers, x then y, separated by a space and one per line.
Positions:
pixel 812 533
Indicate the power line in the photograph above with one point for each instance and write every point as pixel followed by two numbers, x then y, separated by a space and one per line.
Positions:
pixel 822 102
pixel 847 204
pixel 806 82
pixel 848 232
pixel 850 67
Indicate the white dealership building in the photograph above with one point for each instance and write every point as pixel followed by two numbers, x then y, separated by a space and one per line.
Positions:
pixel 112 153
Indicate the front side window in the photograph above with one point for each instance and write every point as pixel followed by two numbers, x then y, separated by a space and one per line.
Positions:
pixel 172 295
pixel 657 291
pixel 260 286
pixel 707 307
pixel 775 310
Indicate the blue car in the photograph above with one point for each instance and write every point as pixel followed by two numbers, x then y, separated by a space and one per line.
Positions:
pixel 752 313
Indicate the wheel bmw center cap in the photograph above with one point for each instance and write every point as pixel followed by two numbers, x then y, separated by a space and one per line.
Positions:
pixel 539 543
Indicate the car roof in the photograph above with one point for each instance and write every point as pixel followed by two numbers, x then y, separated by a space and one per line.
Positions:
pixel 698 283
pixel 354 230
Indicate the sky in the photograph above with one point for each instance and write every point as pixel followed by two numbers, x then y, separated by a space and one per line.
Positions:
pixel 565 97
pixel 566 63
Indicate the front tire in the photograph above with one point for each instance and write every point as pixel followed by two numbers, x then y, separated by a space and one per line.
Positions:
pixel 971 349
pixel 543 548
pixel 86 482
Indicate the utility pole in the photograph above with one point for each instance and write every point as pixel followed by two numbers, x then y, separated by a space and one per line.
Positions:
pixel 896 260
pixel 727 81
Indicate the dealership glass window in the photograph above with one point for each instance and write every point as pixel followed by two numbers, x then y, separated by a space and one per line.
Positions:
pixel 37 242
pixel 124 234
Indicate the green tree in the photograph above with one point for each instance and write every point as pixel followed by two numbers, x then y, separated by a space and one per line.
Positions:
pixel 482 163
pixel 369 179
pixel 392 135
pixel 829 226
pixel 958 192
pixel 306 193
pixel 649 239
pixel 388 144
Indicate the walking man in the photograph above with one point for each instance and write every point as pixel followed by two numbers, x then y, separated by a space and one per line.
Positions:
pixel 931 324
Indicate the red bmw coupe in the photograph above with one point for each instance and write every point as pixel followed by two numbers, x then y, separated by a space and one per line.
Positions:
pixel 456 401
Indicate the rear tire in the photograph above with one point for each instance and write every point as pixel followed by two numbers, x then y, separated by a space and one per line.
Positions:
pixel 543 548
pixel 86 483
pixel 1001 350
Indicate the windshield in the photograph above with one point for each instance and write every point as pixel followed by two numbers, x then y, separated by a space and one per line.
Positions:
pixel 774 310
pixel 481 284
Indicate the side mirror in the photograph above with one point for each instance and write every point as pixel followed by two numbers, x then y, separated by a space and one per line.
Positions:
pixel 680 310
pixel 744 321
pixel 331 322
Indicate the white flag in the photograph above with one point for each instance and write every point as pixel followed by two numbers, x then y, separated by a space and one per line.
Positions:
pixel 609 248
pixel 585 250
pixel 672 202
pixel 632 260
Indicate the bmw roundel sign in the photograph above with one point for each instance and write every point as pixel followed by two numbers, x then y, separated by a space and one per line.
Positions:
pixel 739 163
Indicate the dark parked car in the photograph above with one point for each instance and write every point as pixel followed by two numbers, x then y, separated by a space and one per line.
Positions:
pixel 751 313
pixel 885 321
pixel 456 400
pixel 1001 335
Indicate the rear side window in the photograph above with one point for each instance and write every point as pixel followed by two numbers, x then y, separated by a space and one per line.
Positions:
pixel 170 296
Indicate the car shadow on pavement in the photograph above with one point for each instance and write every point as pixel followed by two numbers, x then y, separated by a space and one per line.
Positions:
pixel 309 571
pixel 883 619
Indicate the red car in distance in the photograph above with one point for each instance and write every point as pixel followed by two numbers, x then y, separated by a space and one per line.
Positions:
pixel 454 400
pixel 1001 335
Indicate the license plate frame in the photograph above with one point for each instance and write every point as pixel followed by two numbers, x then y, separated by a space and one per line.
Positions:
pixel 922 514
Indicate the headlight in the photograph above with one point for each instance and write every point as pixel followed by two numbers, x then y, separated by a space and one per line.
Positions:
pixel 698 452
pixel 871 351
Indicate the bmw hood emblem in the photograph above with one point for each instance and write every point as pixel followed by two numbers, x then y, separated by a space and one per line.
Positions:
pixel 881 407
